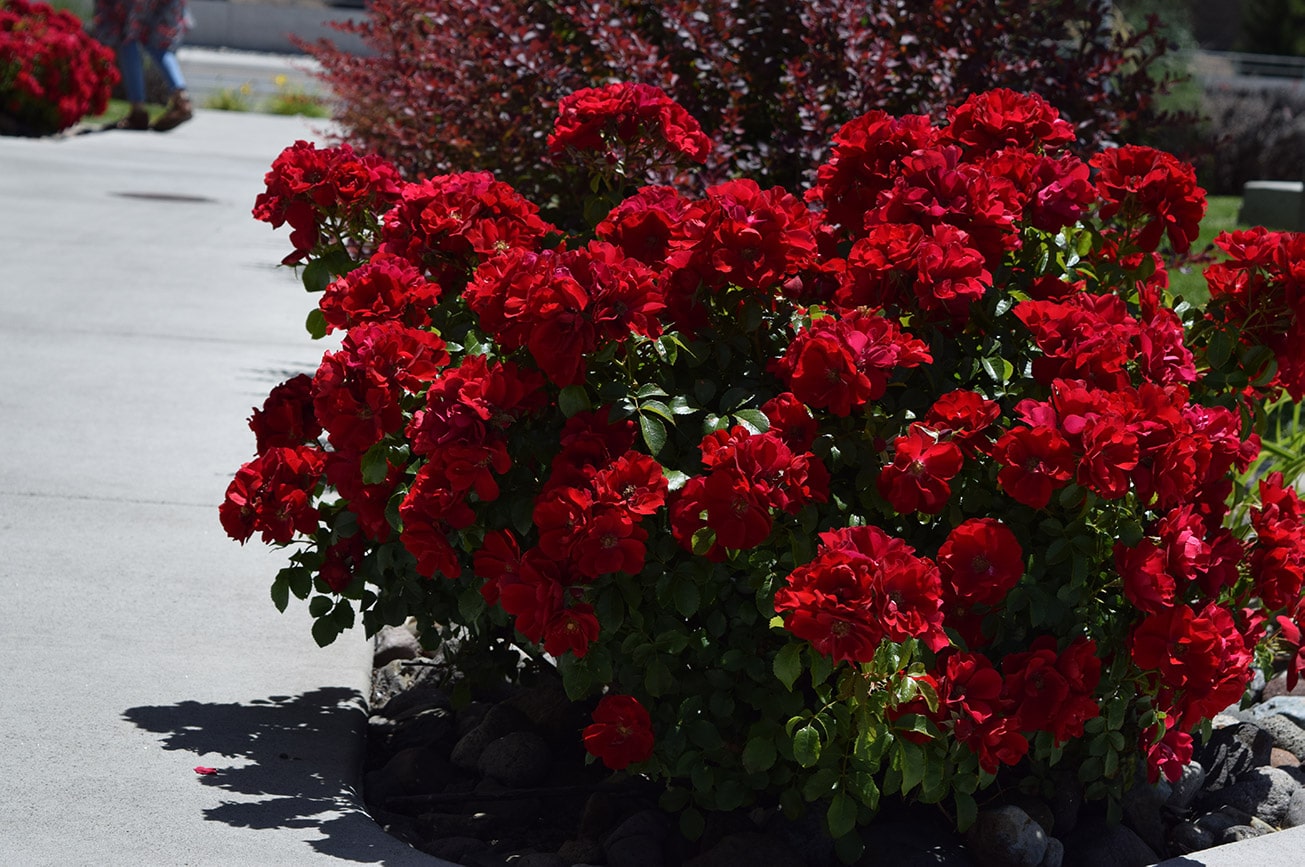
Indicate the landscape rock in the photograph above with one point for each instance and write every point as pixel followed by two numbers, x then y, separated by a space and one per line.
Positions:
pixel 639 841
pixel 1006 837
pixel 906 838
pixel 394 642
pixel 1185 789
pixel 1142 805
pixel 1295 815
pixel 748 850
pixel 499 720
pixel 1238 833
pixel 1231 751
pixel 1263 792
pixel 539 859
pixel 1290 706
pixel 1055 856
pixel 1187 837
pixel 580 851
pixel 428 728
pixel 1287 735
pixel 1278 686
pixel 1066 801
pixel 1280 758
pixel 467 851
pixel 414 771
pixel 1097 843
pixel 518 759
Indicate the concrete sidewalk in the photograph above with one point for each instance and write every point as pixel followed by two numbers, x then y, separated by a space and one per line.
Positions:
pixel 142 316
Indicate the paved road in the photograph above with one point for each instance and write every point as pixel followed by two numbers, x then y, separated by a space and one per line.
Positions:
pixel 141 317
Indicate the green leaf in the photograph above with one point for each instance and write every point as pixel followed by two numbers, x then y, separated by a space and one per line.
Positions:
pixel 734 398
pixel 281 593
pixel 821 783
pixel 687 597
pixel 1221 347
pixel 317 275
pixel 376 464
pixel 316 324
pixel 760 754
pixel 657 679
pixel 912 765
pixel 704 390
pixel 325 630
pixel 471 604
pixel 841 816
pixel 753 419
pixel 319 606
pixel 849 848
pixel 576 678
pixel 788 665
pixel 862 785
pixel 656 407
pixel 692 824
pixel 654 434
pixel 967 810
pixel 703 539
pixel 573 399
pixel 301 582
pixel 806 746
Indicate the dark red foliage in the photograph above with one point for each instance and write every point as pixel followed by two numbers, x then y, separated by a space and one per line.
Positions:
pixel 456 85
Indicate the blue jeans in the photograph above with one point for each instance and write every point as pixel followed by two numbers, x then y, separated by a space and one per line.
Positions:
pixel 133 70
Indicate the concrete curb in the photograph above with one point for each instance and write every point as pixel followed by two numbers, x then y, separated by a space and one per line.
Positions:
pixel 143 315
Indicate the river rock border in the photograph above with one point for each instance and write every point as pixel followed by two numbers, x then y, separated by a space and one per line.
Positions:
pixel 503 781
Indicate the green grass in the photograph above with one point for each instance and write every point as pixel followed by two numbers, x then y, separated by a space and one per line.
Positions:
pixel 1220 216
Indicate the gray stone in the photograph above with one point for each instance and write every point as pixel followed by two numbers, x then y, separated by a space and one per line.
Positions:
pixel 1097 843
pixel 1255 689
pixel 551 712
pixel 1006 837
pixel 1037 808
pixel 519 759
pixel 460 850
pixel 1220 820
pixel 1263 792
pixel 1295 815
pixel 902 838
pixel 1238 833
pixel 580 851
pixel 1186 837
pixel 394 642
pixel 425 729
pixel 1278 686
pixel 537 859
pixel 415 771
pixel 1142 805
pixel 1287 734
pixel 639 841
pixel 1055 856
pixel 1065 802
pixel 499 720
pixel 1290 706
pixel 1187 787
pixel 748 850
pixel 1231 751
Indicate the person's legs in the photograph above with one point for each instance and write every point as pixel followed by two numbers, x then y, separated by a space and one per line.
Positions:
pixel 171 69
pixel 179 110
pixel 133 82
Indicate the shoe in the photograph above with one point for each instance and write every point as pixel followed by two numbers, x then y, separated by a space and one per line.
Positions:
pixel 136 119
pixel 177 113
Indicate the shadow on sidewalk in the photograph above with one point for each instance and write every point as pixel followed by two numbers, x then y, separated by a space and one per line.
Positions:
pixel 274 744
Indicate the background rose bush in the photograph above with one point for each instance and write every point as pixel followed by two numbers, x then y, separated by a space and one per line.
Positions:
pixel 52 74
pixel 915 482
pixel 459 85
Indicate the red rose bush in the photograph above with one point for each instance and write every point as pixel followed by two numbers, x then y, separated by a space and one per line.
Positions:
pixel 914 480
pixel 52 73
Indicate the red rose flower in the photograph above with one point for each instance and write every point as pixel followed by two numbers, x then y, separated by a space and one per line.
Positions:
pixel 981 561
pixel 1034 463
pixel 621 734
pixel 916 480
